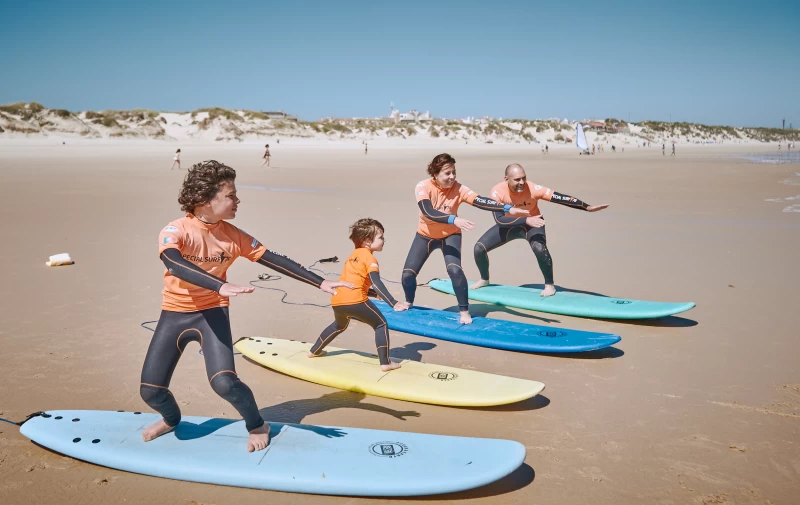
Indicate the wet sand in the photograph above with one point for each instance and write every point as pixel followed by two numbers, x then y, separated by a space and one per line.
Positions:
pixel 699 408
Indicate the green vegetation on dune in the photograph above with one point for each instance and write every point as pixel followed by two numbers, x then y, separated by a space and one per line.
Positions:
pixel 33 117
pixel 25 110
pixel 217 112
pixel 335 127
pixel 252 114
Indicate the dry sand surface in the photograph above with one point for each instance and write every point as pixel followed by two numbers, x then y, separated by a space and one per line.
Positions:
pixel 700 408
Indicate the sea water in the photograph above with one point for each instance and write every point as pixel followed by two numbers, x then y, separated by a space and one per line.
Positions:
pixel 775 158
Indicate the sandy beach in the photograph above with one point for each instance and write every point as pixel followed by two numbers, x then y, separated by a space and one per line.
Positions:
pixel 699 408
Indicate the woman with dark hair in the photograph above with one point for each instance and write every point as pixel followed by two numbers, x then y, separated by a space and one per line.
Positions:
pixel 439 227
pixel 197 250
pixel 176 160
pixel 266 156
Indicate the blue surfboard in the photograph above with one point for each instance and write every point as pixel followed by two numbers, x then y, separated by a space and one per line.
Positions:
pixel 300 458
pixel 566 303
pixel 494 333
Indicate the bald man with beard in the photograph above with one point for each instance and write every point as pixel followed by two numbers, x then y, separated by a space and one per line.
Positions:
pixel 517 191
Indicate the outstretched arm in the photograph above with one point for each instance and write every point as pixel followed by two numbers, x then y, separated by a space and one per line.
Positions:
pixel 187 272
pixel 380 289
pixel 484 203
pixel 284 265
pixel 568 201
pixel 571 201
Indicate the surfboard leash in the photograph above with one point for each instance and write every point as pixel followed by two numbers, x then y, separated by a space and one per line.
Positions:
pixel 30 416
pixel 335 259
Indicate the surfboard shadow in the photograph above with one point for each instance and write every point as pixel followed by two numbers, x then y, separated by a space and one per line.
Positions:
pixel 539 401
pixel 483 309
pixel 294 411
pixel 516 480
pixel 658 322
pixel 604 353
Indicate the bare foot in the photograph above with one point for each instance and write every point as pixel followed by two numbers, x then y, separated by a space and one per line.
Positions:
pixel 156 429
pixel 259 439
pixel 465 317
pixel 391 366
pixel 549 290
pixel 478 285
pixel 312 355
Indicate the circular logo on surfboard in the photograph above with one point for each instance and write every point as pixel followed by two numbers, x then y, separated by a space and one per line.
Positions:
pixel 621 302
pixel 443 376
pixel 388 449
pixel 552 333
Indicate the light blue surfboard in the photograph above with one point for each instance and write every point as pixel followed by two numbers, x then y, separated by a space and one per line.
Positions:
pixel 494 333
pixel 566 303
pixel 300 458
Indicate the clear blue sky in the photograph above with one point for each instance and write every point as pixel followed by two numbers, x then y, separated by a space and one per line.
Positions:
pixel 718 62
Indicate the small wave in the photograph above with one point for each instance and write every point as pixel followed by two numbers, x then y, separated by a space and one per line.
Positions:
pixel 775 159
pixel 792 208
pixel 787 199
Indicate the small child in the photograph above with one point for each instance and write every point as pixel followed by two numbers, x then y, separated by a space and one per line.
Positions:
pixel 361 270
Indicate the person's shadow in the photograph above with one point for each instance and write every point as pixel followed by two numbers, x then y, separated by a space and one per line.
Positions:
pixel 563 289
pixel 483 309
pixel 294 411
pixel 411 351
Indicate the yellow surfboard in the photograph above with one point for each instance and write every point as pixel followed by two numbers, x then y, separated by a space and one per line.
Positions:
pixel 361 372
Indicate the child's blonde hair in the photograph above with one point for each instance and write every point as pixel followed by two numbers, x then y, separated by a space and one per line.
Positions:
pixel 365 229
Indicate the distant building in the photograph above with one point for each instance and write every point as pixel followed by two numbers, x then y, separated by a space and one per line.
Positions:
pixel 595 125
pixel 279 115
pixel 411 115
pixel 601 126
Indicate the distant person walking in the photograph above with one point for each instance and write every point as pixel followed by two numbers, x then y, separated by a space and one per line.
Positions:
pixel 673 149
pixel 592 148
pixel 365 148
pixel 176 159
pixel 547 149
pixel 266 156
pixel 663 149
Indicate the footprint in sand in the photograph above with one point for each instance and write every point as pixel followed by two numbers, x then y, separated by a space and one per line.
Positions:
pixel 593 473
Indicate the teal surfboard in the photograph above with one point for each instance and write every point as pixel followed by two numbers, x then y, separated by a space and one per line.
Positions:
pixel 300 458
pixel 568 304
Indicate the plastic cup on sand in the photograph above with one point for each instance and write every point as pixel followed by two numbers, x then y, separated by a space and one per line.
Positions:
pixel 59 259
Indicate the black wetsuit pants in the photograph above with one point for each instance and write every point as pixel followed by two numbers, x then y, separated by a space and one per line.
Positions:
pixel 367 313
pixel 499 235
pixel 421 248
pixel 212 329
